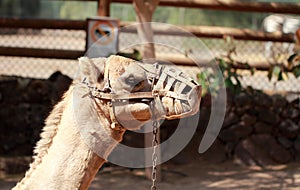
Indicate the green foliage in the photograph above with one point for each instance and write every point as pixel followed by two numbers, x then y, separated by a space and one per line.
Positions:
pixel 296 71
pixel 20 8
pixel 228 67
pixel 136 55
pixel 294 64
pixel 280 71
pixel 77 10
pixel 211 83
pixel 232 80
pixel 123 12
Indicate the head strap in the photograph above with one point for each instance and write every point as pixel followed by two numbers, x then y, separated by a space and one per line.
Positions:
pixel 163 79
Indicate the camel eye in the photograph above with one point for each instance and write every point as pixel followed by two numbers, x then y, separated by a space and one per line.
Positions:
pixel 131 80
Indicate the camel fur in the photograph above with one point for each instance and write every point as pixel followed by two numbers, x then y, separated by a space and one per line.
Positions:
pixel 63 157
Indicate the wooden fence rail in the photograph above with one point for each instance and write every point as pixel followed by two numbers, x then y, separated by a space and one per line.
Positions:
pixel 225 5
pixel 198 31
pixel 40 53
pixel 230 5
pixel 216 32
pixel 43 24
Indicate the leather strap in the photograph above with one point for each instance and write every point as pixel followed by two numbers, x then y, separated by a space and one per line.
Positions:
pixel 114 122
pixel 135 95
pixel 164 77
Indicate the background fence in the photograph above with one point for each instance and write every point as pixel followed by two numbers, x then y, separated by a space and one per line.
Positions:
pixel 38 48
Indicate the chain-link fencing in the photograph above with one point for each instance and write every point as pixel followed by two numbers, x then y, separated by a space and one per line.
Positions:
pixel 252 52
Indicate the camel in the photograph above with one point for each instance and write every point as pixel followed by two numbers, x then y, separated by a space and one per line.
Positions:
pixel 65 158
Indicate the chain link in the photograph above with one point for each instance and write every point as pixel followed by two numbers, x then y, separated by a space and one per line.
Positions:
pixel 154 154
pixel 154 142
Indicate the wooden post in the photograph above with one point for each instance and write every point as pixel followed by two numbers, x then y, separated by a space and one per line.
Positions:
pixel 144 11
pixel 103 8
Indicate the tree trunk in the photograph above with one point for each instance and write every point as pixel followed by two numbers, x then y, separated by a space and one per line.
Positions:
pixel 144 12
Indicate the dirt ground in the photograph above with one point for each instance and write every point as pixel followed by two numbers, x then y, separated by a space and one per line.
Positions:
pixel 195 175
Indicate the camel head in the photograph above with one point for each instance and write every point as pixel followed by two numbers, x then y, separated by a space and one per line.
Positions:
pixel 134 92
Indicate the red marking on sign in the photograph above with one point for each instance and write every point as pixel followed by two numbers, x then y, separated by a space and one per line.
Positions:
pixel 105 38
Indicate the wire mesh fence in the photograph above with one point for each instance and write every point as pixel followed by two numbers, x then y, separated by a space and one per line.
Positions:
pixel 40 39
pixel 252 52
pixel 45 38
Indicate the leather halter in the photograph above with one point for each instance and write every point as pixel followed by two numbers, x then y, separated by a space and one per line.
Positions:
pixel 162 78
pixel 107 94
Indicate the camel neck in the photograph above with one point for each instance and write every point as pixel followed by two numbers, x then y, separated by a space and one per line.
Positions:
pixel 69 162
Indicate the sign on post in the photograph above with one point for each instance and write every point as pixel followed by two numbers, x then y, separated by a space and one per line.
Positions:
pixel 102 37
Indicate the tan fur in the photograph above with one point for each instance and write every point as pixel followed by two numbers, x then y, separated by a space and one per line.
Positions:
pixel 47 135
pixel 79 127
pixel 88 164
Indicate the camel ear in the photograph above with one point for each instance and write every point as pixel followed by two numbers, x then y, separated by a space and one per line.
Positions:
pixel 90 70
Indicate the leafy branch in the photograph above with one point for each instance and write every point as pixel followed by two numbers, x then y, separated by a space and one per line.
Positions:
pixel 228 66
pixel 232 80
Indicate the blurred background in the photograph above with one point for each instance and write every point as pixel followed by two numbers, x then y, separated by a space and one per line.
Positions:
pixel 253 42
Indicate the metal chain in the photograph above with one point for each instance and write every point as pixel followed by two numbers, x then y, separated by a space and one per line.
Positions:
pixel 154 142
pixel 154 154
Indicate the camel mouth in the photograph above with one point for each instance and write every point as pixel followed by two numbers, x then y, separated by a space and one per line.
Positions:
pixel 176 108
pixel 141 100
pixel 171 104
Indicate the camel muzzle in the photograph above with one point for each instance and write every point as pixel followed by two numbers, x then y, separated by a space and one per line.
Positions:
pixel 175 94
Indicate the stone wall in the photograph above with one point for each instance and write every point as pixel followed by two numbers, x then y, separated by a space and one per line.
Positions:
pixel 24 105
pixel 258 129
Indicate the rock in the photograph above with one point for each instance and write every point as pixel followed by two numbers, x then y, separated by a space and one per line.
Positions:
pixel 14 165
pixel 252 111
pixel 60 84
pixel 295 103
pixel 229 147
pixel 231 119
pixel 235 132
pixel 277 152
pixel 216 153
pixel 241 131
pixel 297 144
pixel 228 135
pixel 261 150
pixel 280 154
pixel 278 101
pixel 243 110
pixel 263 100
pixel 242 99
pixel 288 128
pixel 268 116
pixel 204 118
pixel 290 112
pixel 25 103
pixel 248 120
pixel 297 149
pixel 249 153
pixel 285 142
pixel 10 91
pixel 229 108
pixel 37 91
pixel 206 100
pixel 263 128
